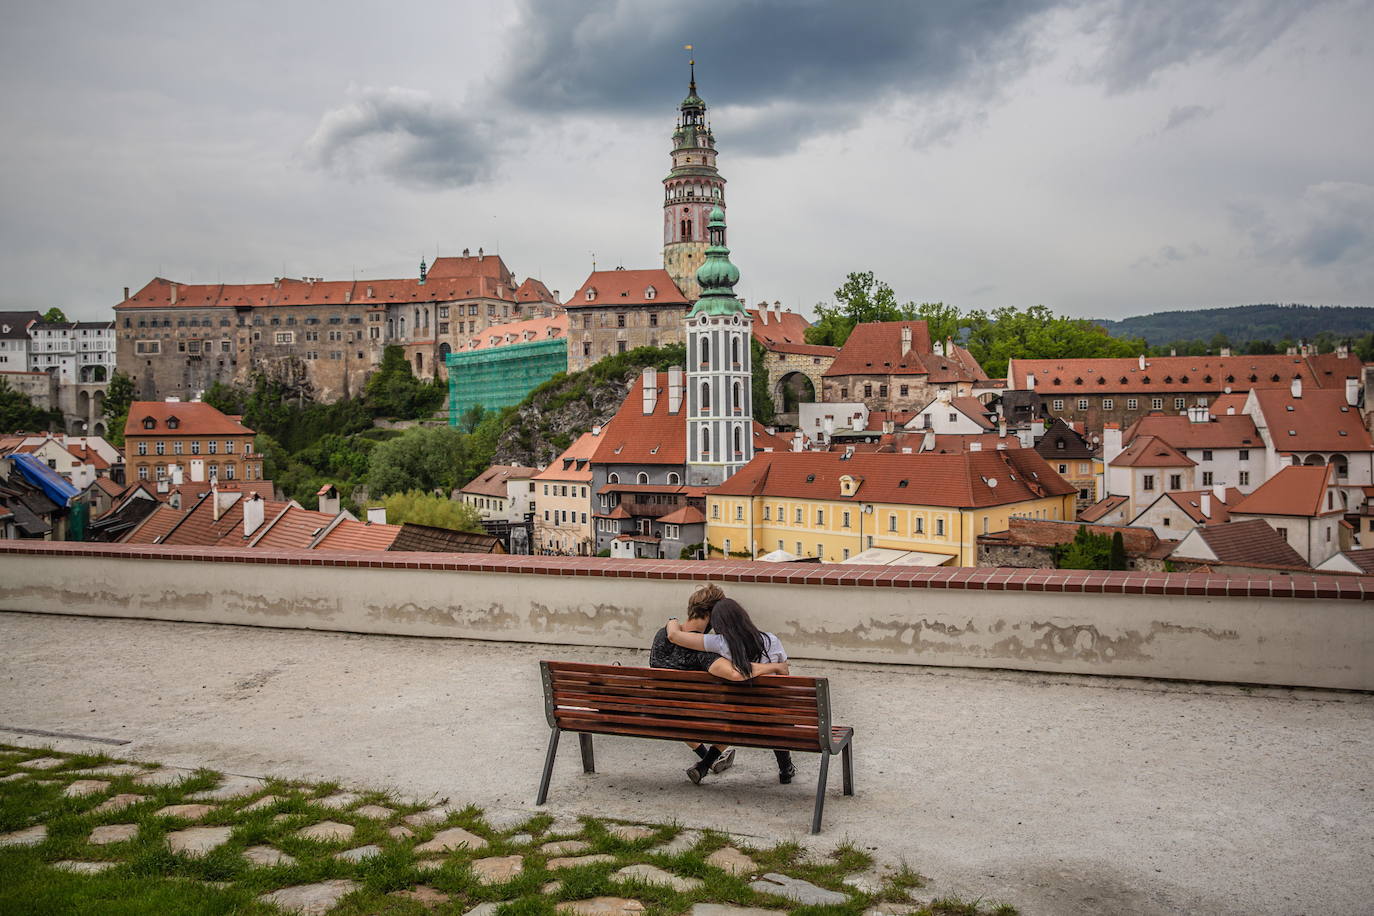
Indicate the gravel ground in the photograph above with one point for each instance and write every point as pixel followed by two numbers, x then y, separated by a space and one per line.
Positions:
pixel 1063 795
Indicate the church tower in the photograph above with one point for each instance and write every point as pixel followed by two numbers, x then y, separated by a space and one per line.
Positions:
pixel 690 192
pixel 720 409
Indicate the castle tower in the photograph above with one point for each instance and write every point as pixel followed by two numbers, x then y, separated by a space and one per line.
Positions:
pixel 720 409
pixel 690 192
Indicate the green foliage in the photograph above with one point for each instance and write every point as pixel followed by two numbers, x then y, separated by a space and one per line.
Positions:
pixel 55 315
pixel 862 299
pixel 394 391
pixel 689 552
pixel 118 397
pixel 424 458
pixel 1116 558
pixel 426 509
pixel 764 408
pixel 1086 551
pixel 18 413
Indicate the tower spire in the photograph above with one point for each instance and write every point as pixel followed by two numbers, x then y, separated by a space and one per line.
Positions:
pixel 692 85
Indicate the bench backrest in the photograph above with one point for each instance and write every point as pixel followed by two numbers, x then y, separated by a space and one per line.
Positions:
pixel 785 713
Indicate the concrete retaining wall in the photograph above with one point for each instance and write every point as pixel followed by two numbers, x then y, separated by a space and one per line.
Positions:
pixel 1263 639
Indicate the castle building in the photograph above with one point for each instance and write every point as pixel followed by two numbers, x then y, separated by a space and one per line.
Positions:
pixel 719 369
pixel 692 190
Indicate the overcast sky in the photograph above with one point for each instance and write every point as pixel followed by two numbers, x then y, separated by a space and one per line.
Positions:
pixel 1104 159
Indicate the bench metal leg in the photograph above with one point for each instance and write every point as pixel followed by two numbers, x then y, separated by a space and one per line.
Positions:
pixel 584 741
pixel 847 760
pixel 548 767
pixel 820 792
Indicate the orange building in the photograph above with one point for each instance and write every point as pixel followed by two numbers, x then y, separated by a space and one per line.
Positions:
pixel 187 440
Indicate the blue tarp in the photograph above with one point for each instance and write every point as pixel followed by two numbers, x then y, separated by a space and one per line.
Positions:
pixel 53 484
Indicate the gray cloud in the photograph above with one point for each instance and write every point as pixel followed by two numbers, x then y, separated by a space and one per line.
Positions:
pixel 1333 223
pixel 1171 254
pixel 406 136
pixel 1181 115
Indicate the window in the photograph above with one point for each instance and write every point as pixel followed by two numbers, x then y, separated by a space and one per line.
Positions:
pixel 653 318
pixel 228 446
pixel 213 446
pixel 285 337
pixel 176 447
pixel 670 532
pixel 1156 403
pixel 1206 478
pixel 1175 481
pixel 143 448
pixel 939 527
pixel 228 472
pixel 161 448
pixel 1283 533
pixel 820 516
pixel 892 522
pixel 620 319
pixel 1244 454
pixel 954 418
pixel 148 347
pixel 1082 403
pixel 767 515
pixel 920 525
pixel 1063 469
pixel 1147 482
pixel 715 510
pixel 726 549
pixel 739 513
pixel 1244 478
pixel 844 523
pixel 1058 404
pixel 1207 454
pixel 1179 403
pixel 195 447
pixel 1083 467
pixel 868 391
pixel 799 516
pixel 846 553
pixel 1108 404
pixel 882 391
pixel 143 472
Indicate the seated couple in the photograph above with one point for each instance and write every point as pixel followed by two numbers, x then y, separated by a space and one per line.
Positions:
pixel 736 651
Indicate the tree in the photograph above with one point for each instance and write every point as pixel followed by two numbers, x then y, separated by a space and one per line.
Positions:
pixel 436 511
pixel 118 397
pixel 55 315
pixel 1085 551
pixel 19 414
pixel 394 391
pixel 860 300
pixel 424 458
pixel 764 408
pixel 1117 558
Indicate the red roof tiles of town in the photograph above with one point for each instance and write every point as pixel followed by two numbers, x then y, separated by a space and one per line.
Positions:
pixel 355 535
pixel 627 287
pixel 493 481
pixel 1228 404
pixel 632 437
pixel 1169 374
pixel 1030 532
pixel 292 528
pixel 1182 432
pixel 1293 491
pixel 965 480
pixel 575 462
pixel 1101 508
pixel 1190 502
pixel 785 332
pixel 194 418
pixel 533 290
pixel 516 332
pixel 162 520
pixel 1151 452
pixel 109 486
pixel 1250 542
pixel 876 349
pixel 687 515
pixel 1318 421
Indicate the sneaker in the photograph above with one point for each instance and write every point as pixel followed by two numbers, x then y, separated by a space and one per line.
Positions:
pixel 724 762
pixel 695 774
pixel 785 776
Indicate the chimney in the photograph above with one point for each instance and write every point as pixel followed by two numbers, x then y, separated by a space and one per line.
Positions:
pixel 174 294
pixel 126 294
pixel 216 507
pixel 975 446
pixel 596 430
pixel 763 312
pixel 1001 427
pixel 1230 411
pixel 1142 362
pixel 1030 381
pixel 906 339
pixel 1173 351
pixel 197 470
pixel 797 441
pixel 329 502
pixel 176 475
pixel 928 441
pixel 1225 351
pixel 1219 492
pixel 480 254
pixel 1296 388
pixel 467 252
pixel 1352 391
pixel 889 427
pixel 650 390
pixel 1342 348
pixel 1111 442
pixel 674 389
pixel 376 515
pixel 1205 504
pixel 253 509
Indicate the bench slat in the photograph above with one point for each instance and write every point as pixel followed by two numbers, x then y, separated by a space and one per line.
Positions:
pixel 672 674
pixel 684 723
pixel 678 707
pixel 731 698
pixel 657 729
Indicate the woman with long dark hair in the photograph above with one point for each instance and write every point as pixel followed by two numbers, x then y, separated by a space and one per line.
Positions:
pixel 749 653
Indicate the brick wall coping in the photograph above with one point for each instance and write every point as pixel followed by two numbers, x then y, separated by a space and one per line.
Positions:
pixel 1307 585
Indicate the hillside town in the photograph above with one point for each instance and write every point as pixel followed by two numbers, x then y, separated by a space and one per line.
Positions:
pixel 893 448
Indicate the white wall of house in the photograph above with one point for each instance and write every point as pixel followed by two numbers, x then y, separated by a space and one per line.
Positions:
pixel 941 417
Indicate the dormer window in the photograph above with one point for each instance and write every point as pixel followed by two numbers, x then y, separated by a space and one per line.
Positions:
pixel 173 422
pixel 650 292
pixel 149 423
pixel 848 485
pixel 591 294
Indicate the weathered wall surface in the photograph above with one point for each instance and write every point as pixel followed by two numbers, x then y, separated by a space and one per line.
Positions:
pixel 1276 639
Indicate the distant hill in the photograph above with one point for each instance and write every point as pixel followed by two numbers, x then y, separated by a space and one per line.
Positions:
pixel 1245 322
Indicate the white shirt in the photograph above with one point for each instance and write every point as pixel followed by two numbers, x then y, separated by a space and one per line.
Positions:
pixel 773 651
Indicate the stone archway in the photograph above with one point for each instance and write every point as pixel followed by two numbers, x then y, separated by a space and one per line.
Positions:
pixel 793 387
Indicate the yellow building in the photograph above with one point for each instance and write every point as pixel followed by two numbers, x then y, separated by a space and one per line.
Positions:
pixel 563 490
pixel 835 506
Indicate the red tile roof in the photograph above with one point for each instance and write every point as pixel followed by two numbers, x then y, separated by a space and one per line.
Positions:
pixel 162 520
pixel 1233 402
pixel 627 287
pixel 1101 508
pixel 574 464
pixel 109 486
pixel 785 332
pixel 964 480
pixel 489 266
pixel 1362 560
pixel 1236 431
pixel 974 409
pixel 199 527
pixel 88 456
pixel 876 349
pixel 1151 452
pixel 1030 532
pixel 500 335
pixel 1319 421
pixel 533 290
pixel 354 535
pixel 632 437
pixel 194 419
pixel 292 528
pixel 1293 491
pixel 1170 374
pixel 1190 502
pixel 493 481
pixel 1250 543
pixel 687 515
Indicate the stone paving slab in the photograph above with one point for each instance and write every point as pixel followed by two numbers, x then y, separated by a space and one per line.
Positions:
pixel 575 861
pixel 722 909
pixel 630 832
pixel 163 776
pixel 83 868
pixel 112 833
pixel 892 909
pixel 803 892
pixel 83 787
pixel 29 836
pixel 375 812
pixel 327 831
pixel 267 856
pixel 600 906
pixel 357 855
pixel 497 869
pixel 14 777
pixel 400 833
pixel 311 899
pixel 113 769
pixel 501 820
pixel 685 841
pixel 197 841
pixel 231 787
pixel 425 818
pixel 730 859
pixel 425 896
pixel 483 909
pixel 185 812
pixel 520 839
pixel 117 803
pixel 429 865
pixel 43 763
pixel 266 801
pixel 565 847
pixel 652 874
pixel 450 839
pixel 338 801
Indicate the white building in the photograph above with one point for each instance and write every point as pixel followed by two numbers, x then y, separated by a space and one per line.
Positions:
pixel 956 415
pixel 14 340
pixel 77 351
pixel 1316 427
pixel 1305 505
pixel 503 492
pixel 1228 450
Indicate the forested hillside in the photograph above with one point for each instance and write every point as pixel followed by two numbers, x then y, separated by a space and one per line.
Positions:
pixel 1244 323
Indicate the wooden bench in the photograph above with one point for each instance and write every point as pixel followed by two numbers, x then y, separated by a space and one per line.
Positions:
pixel 774 712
